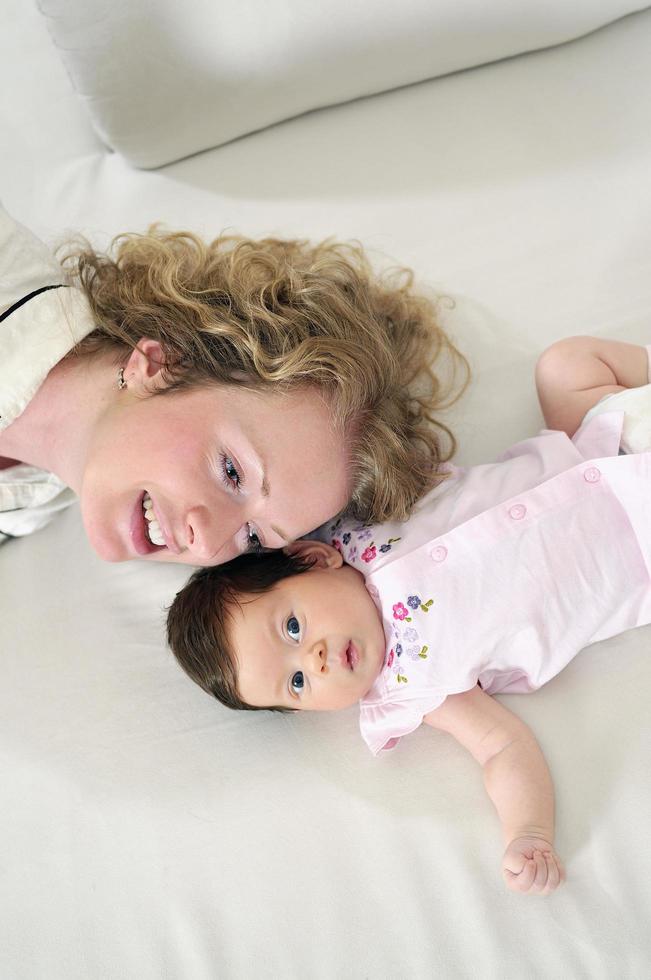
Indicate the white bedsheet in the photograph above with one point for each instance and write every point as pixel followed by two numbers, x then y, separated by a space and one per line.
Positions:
pixel 148 833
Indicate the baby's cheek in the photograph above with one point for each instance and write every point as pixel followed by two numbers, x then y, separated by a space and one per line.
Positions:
pixel 343 700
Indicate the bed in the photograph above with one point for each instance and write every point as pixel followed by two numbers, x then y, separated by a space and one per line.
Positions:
pixel 145 831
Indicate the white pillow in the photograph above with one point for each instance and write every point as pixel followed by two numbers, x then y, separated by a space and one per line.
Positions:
pixel 164 79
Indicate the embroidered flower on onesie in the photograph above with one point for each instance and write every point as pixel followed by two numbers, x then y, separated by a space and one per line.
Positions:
pixel 359 545
pixel 406 645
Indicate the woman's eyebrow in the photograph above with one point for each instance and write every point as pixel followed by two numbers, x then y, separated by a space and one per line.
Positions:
pixel 265 490
pixel 281 534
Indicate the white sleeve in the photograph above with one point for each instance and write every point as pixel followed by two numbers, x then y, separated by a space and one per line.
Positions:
pixel 26 263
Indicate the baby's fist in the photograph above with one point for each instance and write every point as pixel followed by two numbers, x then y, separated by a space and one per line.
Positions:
pixel 531 865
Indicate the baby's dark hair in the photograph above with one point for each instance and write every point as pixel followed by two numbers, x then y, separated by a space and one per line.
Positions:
pixel 198 619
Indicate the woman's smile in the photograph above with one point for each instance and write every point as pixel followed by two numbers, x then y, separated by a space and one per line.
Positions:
pixel 181 506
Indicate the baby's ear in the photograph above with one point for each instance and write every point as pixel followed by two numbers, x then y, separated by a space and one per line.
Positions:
pixel 322 555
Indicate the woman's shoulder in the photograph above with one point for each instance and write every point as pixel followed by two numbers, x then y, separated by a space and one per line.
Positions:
pixel 26 263
pixel 29 499
pixel 38 313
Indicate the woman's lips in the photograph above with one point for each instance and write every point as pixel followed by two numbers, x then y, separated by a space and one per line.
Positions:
pixel 141 542
pixel 170 543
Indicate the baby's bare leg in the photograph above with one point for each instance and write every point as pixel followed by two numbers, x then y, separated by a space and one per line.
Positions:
pixel 573 375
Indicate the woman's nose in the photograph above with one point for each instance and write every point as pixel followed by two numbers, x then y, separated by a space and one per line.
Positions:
pixel 205 537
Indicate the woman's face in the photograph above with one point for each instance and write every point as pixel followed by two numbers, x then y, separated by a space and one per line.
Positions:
pixel 219 469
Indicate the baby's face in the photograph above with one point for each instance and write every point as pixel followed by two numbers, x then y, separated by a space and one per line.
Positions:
pixel 314 642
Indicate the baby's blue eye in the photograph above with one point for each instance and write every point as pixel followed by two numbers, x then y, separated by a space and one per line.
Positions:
pixel 297 682
pixel 293 628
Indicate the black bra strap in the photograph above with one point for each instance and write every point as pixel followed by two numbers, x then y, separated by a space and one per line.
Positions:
pixel 26 299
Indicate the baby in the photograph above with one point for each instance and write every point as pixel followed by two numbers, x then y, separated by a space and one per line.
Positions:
pixel 500 576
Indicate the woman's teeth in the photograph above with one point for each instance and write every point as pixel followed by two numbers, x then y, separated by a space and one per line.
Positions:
pixel 152 527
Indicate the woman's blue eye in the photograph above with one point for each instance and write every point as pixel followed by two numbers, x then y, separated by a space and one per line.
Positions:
pixel 294 628
pixel 297 682
pixel 231 471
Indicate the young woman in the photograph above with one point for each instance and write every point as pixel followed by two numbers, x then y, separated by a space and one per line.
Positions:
pixel 203 400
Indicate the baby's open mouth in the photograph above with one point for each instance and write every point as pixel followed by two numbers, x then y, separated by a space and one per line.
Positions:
pixel 152 527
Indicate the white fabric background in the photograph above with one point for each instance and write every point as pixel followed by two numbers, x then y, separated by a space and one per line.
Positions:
pixel 161 83
pixel 146 832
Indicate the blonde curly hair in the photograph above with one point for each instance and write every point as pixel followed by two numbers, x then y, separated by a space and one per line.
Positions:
pixel 287 314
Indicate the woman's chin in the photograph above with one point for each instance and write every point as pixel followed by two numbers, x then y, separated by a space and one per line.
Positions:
pixel 108 551
pixel 107 547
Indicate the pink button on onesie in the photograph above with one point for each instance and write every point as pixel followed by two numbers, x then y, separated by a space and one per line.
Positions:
pixel 505 571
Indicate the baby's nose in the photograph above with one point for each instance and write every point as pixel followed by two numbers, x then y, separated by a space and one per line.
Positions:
pixel 317 658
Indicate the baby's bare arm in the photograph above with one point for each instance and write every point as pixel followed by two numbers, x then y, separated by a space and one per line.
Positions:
pixel 517 780
pixel 574 374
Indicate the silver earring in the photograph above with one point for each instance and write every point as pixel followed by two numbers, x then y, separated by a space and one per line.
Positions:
pixel 121 382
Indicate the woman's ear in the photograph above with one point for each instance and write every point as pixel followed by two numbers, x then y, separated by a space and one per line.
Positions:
pixel 321 554
pixel 143 372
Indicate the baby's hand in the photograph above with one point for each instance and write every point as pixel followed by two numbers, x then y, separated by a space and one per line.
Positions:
pixel 531 864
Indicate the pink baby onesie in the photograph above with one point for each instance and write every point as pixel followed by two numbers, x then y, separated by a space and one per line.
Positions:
pixel 504 572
